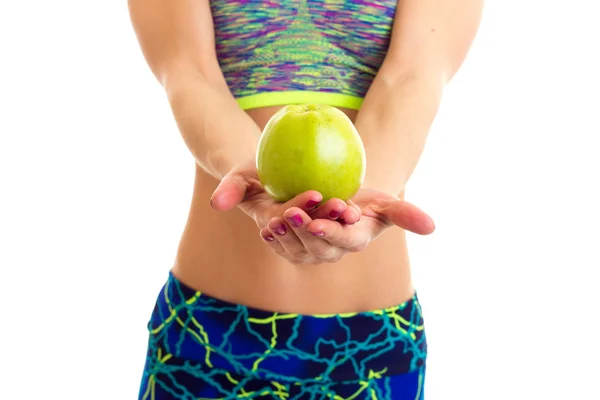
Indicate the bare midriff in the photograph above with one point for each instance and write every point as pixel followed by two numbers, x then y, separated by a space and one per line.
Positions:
pixel 221 254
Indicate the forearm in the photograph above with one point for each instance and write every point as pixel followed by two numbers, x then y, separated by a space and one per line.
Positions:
pixel 430 40
pixel 216 131
pixel 177 40
pixel 394 122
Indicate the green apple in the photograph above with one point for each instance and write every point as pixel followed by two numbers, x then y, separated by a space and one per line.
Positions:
pixel 310 147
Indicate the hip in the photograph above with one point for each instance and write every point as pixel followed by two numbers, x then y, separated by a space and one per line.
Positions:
pixel 203 346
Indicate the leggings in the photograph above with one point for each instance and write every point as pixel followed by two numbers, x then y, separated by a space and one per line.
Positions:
pixel 201 347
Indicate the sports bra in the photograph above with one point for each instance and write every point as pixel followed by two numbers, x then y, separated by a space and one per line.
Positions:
pixel 301 51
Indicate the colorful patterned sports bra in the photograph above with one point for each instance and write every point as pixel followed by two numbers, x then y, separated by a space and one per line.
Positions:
pixel 301 51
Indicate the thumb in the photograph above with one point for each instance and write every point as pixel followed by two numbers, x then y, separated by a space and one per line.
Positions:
pixel 407 216
pixel 230 192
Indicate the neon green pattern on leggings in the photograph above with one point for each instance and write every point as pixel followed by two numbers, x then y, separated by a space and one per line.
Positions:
pixel 201 347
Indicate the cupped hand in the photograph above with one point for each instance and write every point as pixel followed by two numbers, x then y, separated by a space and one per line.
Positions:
pixel 241 188
pixel 304 232
pixel 379 211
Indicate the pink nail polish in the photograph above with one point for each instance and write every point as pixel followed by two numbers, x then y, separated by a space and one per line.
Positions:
pixel 269 238
pixel 319 233
pixel 312 203
pixel 334 214
pixel 280 230
pixel 295 220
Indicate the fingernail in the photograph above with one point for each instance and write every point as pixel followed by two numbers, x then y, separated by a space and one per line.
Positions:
pixel 280 230
pixel 334 214
pixel 295 220
pixel 319 233
pixel 269 238
pixel 312 203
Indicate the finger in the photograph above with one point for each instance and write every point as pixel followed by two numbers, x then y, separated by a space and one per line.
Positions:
pixel 339 235
pixel 307 201
pixel 356 207
pixel 407 216
pixel 331 209
pixel 298 220
pixel 286 237
pixel 269 239
pixel 229 193
pixel 351 215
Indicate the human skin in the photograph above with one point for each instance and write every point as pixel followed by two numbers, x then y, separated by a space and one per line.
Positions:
pixel 224 251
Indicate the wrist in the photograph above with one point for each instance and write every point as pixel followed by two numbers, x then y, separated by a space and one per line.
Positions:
pixel 222 162
pixel 217 132
pixel 394 123
pixel 391 185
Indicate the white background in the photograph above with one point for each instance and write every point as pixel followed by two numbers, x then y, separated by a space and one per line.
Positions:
pixel 95 182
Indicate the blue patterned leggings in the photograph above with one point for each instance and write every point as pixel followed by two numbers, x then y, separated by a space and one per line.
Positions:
pixel 204 348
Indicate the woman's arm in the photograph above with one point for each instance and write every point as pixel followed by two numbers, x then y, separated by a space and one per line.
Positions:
pixel 430 40
pixel 177 39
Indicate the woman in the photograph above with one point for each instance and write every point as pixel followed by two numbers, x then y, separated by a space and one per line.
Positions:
pixel 296 300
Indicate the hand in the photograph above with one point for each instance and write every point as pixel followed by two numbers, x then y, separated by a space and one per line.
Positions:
pixel 293 229
pixel 242 188
pixel 379 212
